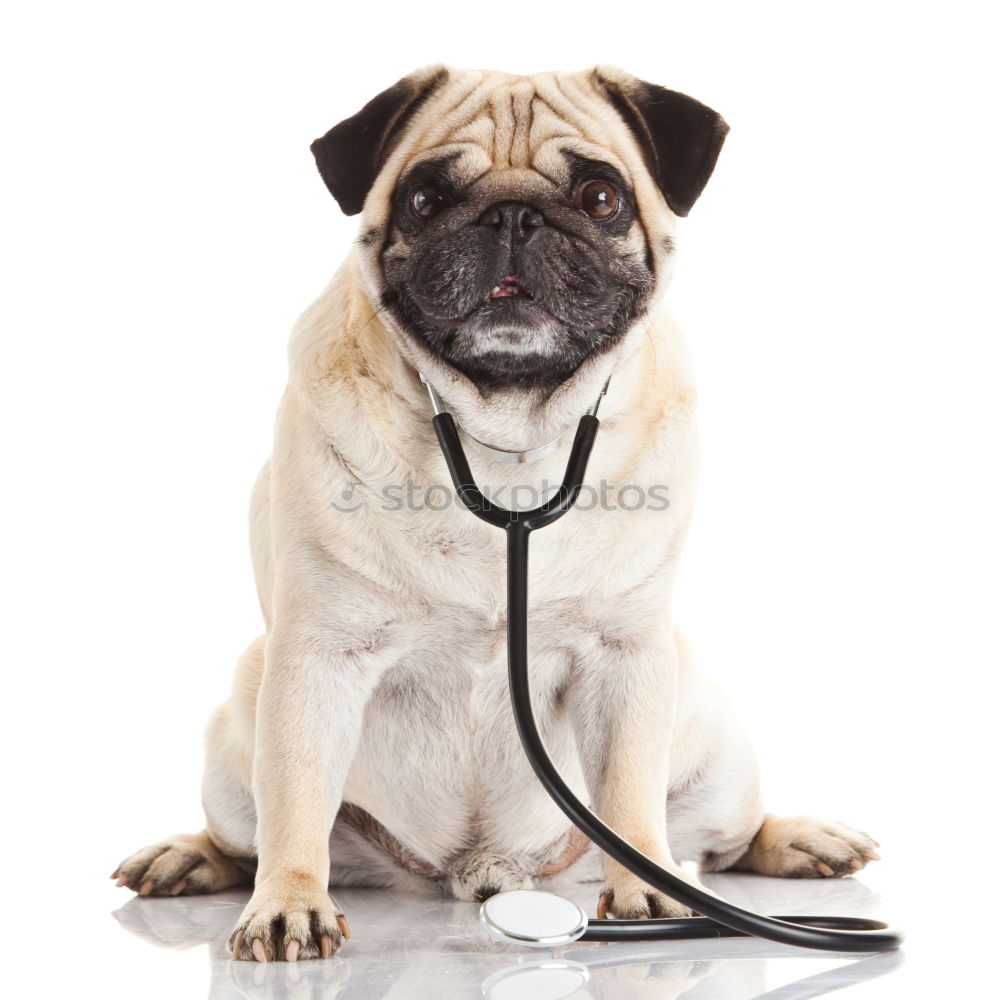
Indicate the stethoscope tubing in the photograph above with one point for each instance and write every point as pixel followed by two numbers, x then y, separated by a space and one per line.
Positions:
pixel 719 918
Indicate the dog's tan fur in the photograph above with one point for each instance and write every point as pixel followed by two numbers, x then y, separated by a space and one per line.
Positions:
pixel 380 679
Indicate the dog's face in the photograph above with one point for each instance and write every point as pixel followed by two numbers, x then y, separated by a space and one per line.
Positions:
pixel 517 226
pixel 512 277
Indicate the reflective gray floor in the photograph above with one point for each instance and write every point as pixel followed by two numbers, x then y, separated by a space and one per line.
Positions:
pixel 406 946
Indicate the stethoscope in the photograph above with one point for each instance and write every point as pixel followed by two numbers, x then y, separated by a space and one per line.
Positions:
pixel 542 919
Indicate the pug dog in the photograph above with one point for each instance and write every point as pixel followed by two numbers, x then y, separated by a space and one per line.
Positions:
pixel 518 233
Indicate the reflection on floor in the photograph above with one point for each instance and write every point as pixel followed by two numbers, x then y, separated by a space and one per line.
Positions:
pixel 404 946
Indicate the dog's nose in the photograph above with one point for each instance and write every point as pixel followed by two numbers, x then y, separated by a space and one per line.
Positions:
pixel 512 219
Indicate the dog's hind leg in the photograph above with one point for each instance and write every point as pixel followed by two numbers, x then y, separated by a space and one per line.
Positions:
pixel 716 814
pixel 185 864
pixel 719 821
pixel 223 854
pixel 803 847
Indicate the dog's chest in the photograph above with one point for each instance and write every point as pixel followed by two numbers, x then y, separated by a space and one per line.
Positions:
pixel 439 762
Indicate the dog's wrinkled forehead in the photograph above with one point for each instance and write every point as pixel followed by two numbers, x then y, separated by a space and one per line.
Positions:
pixel 518 136
pixel 664 143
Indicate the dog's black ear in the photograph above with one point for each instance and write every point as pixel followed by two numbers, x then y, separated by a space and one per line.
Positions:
pixel 680 137
pixel 351 154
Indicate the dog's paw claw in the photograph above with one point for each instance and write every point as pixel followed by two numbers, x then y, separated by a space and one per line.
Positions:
pixel 289 922
pixel 637 901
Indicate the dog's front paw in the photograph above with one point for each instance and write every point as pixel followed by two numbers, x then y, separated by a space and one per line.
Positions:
pixel 629 898
pixel 290 916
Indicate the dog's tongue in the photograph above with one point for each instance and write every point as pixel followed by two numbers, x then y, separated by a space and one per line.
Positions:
pixel 508 286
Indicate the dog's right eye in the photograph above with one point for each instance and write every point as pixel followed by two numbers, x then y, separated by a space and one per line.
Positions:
pixel 426 202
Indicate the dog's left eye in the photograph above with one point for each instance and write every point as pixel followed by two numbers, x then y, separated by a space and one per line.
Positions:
pixel 597 198
pixel 426 202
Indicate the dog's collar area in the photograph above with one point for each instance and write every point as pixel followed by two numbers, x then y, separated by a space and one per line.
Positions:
pixel 502 454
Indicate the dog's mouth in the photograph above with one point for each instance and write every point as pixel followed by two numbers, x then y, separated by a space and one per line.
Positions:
pixel 509 287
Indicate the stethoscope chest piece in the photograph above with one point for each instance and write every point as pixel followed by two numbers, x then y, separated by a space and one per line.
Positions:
pixel 533 918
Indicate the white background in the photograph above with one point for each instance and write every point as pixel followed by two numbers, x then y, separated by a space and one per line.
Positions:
pixel 163 227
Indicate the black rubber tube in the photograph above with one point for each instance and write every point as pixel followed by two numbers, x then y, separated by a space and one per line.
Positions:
pixel 719 918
